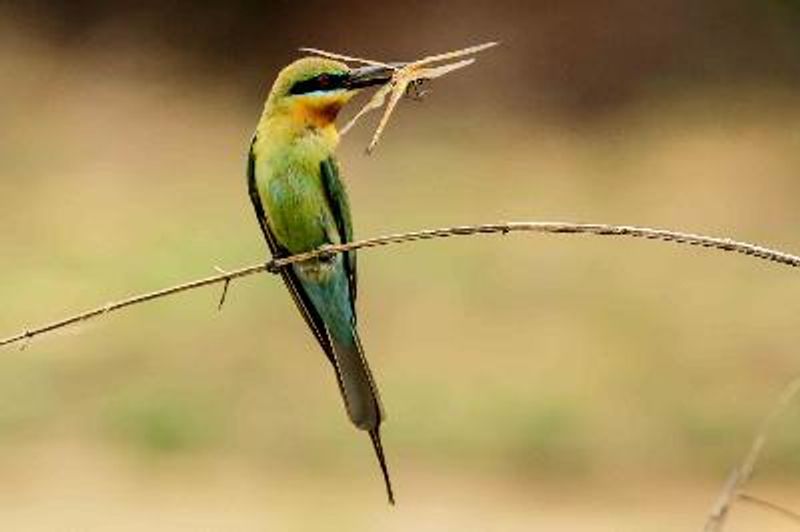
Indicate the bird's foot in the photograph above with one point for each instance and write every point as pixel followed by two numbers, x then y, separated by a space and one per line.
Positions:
pixel 272 267
pixel 325 254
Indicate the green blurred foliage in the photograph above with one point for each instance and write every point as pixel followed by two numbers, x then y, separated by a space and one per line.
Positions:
pixel 163 421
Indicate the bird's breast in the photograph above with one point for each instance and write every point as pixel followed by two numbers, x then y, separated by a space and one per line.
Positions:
pixel 296 206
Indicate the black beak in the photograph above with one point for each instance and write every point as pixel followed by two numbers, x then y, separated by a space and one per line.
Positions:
pixel 370 76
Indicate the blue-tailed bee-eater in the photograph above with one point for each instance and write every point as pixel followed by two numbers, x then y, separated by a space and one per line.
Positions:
pixel 301 205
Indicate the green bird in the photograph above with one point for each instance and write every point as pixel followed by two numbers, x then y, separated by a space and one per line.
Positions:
pixel 301 205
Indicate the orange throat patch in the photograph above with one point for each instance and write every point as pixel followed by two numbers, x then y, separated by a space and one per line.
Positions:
pixel 318 114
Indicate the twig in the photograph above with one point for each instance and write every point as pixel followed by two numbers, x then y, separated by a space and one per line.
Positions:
pixel 470 50
pixel 401 80
pixel 404 75
pixel 758 501
pixel 742 473
pixel 134 300
pixel 346 58
pixel 722 244
pixel 224 288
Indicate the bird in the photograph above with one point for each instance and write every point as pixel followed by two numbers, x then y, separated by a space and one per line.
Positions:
pixel 301 205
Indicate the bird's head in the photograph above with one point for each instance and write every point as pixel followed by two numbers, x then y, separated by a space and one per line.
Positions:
pixel 313 90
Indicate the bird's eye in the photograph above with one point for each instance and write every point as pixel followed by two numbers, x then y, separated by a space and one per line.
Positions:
pixel 321 82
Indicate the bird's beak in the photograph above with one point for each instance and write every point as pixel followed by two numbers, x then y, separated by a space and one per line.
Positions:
pixel 370 76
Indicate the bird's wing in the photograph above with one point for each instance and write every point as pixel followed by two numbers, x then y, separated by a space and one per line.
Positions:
pixel 340 208
pixel 312 317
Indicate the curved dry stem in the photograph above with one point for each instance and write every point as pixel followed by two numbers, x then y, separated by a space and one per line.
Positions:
pixel 722 244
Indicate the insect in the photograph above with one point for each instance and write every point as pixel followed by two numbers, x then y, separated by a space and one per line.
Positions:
pixel 408 80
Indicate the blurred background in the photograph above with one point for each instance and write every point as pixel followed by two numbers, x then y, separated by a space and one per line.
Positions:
pixel 531 382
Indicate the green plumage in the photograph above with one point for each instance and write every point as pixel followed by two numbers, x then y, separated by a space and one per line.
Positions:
pixel 301 205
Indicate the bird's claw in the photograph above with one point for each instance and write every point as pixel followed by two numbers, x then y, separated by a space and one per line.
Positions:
pixel 325 254
pixel 272 267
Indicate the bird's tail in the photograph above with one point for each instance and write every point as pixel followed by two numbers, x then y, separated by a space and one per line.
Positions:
pixel 375 436
pixel 361 397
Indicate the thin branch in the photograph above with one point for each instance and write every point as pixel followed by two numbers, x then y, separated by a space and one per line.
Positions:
pixel 758 501
pixel 28 334
pixel 742 473
pixel 345 58
pixel 274 265
pixel 225 286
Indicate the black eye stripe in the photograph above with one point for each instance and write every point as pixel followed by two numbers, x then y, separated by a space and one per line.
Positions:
pixel 322 82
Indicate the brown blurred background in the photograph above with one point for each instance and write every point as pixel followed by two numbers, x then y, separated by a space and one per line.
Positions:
pixel 532 383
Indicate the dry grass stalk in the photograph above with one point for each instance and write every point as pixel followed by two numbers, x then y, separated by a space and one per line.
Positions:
pixel 771 506
pixel 404 76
